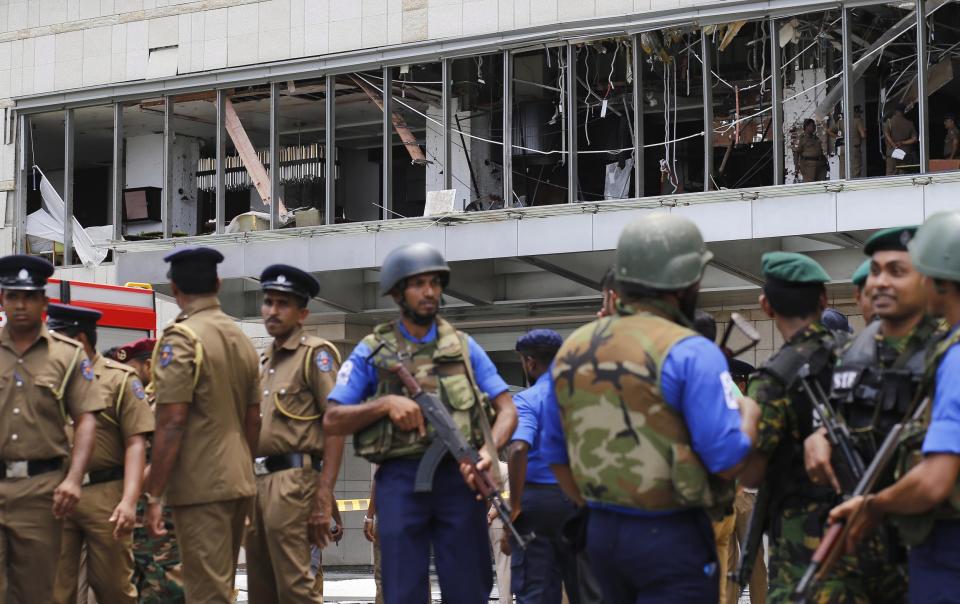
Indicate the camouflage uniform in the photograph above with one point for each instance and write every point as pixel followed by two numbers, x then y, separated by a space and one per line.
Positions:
pixel 157 573
pixel 799 508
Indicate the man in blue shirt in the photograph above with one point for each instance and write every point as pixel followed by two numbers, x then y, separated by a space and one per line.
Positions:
pixel 927 492
pixel 640 411
pixel 548 564
pixel 370 402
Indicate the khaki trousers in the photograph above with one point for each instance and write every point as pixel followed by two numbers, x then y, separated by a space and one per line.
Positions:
pixel 277 542
pixel 723 534
pixel 29 539
pixel 742 508
pixel 109 561
pixel 210 535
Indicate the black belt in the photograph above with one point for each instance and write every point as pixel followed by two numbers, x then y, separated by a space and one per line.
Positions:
pixel 29 468
pixel 100 476
pixel 287 461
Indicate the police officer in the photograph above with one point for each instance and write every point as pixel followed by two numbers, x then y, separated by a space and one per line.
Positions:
pixel 794 296
pixel 899 133
pixel 548 564
pixel 857 135
pixel 951 142
pixel 925 496
pixel 208 420
pixel 809 159
pixel 370 401
pixel 861 292
pixel 104 518
pixel 46 376
pixel 158 571
pixel 296 464
pixel 834 320
pixel 644 426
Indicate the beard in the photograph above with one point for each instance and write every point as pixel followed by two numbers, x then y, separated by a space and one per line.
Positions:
pixel 418 318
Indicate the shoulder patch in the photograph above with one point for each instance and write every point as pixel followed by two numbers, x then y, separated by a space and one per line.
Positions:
pixel 343 376
pixel 137 387
pixel 86 369
pixel 324 361
pixel 166 355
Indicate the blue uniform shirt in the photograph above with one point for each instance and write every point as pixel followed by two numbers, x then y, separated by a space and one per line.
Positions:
pixel 530 404
pixel 357 378
pixel 943 435
pixel 696 382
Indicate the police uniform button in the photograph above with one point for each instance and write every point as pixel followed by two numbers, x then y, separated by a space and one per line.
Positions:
pixel 14 437
pixel 283 391
pixel 16 410
pixel 19 383
pixel 272 371
pixel 20 361
pixel 266 392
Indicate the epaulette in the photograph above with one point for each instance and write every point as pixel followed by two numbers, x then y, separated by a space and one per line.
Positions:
pixel 118 366
pixel 62 338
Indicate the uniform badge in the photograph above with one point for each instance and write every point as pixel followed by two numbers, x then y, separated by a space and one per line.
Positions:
pixel 166 355
pixel 324 361
pixel 86 369
pixel 137 386
pixel 121 354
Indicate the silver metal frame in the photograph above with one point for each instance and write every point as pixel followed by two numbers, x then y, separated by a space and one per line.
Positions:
pixel 570 85
pixel 166 195
pixel 923 103
pixel 776 104
pixel 706 50
pixel 221 153
pixel 330 171
pixel 69 158
pixel 446 149
pixel 638 158
pixel 23 171
pixel 274 155
pixel 119 171
pixel 847 98
pixel 387 99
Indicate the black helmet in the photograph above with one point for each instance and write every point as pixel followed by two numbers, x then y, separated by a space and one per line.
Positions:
pixel 409 260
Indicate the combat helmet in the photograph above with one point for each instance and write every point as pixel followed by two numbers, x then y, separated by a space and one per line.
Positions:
pixel 935 249
pixel 409 260
pixel 661 251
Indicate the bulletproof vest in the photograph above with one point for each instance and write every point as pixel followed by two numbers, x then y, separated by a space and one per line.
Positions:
pixel 874 385
pixel 914 530
pixel 627 446
pixel 441 367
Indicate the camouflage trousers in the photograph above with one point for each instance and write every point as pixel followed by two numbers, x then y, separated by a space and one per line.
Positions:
pixel 158 573
pixel 867 578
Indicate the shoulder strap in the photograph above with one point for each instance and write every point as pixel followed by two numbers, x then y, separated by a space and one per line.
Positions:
pixel 61 391
pixel 197 346
pixel 482 418
pixel 307 364
pixel 119 401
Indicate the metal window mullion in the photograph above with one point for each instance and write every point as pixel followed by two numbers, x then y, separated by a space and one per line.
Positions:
pixel 447 149
pixel 23 171
pixel 570 86
pixel 387 194
pixel 166 195
pixel 69 154
pixel 638 160
pixel 274 155
pixel 847 96
pixel 776 102
pixel 118 172
pixel 507 129
pixel 220 186
pixel 330 169
pixel 923 101
pixel 707 62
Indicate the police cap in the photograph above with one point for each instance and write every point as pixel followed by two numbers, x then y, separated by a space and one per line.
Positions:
pixel 834 320
pixel 64 317
pixel 139 350
pixel 740 369
pixel 539 340
pixel 194 269
pixel 860 275
pixel 29 273
pixel 889 240
pixel 289 279
pixel 791 268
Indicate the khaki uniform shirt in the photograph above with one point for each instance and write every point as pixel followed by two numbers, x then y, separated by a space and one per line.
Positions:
pixel 855 138
pixel 215 463
pixel 127 413
pixel 899 128
pixel 809 148
pixel 32 425
pixel 953 135
pixel 295 379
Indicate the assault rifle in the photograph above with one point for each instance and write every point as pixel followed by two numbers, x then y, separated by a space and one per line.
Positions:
pixel 851 470
pixel 832 545
pixel 450 440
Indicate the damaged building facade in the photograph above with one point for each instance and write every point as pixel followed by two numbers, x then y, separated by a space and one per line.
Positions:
pixel 518 136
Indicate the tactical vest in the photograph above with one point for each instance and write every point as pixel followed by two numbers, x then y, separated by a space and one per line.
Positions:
pixel 441 367
pixel 786 474
pixel 914 530
pixel 627 446
pixel 874 393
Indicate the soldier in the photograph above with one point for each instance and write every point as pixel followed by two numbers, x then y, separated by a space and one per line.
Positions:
pixel 370 401
pixel 208 421
pixel 794 296
pixel 925 496
pixel 951 142
pixel 158 572
pixel 808 155
pixel 47 376
pixel 548 565
pixel 899 134
pixel 296 464
pixel 861 293
pixel 654 430
pixel 103 519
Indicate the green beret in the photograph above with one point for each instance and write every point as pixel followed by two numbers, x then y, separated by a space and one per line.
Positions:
pixel 889 240
pixel 860 275
pixel 792 268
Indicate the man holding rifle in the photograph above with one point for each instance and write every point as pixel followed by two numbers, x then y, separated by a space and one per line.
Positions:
pixel 926 494
pixel 371 400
